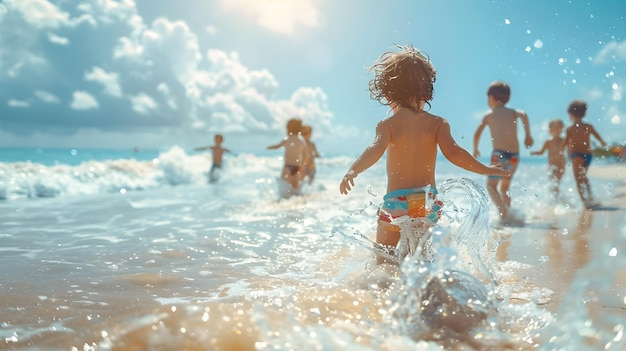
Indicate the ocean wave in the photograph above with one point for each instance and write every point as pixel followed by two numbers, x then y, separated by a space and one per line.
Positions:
pixel 173 167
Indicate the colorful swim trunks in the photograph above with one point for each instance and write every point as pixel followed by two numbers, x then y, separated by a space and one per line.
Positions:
pixel 505 159
pixel 586 157
pixel 412 202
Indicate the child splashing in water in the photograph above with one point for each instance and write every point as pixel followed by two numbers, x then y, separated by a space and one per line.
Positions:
pixel 556 156
pixel 577 140
pixel 410 137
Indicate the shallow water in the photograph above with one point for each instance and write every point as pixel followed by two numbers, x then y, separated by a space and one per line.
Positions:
pixel 145 254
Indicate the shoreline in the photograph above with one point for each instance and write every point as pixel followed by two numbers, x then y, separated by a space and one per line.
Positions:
pixel 554 253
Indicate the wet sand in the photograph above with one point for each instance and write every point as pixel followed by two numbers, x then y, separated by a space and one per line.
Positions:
pixel 556 248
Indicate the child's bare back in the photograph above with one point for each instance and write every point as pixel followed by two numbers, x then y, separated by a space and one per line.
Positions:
pixel 410 137
pixel 405 132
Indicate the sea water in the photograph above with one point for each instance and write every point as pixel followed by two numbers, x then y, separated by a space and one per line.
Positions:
pixel 118 250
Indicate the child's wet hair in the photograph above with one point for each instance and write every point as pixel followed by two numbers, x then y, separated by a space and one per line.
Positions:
pixel 577 108
pixel 294 126
pixel 219 138
pixel 404 78
pixel 556 123
pixel 306 130
pixel 500 91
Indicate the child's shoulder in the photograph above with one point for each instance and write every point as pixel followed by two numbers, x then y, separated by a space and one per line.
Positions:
pixel 403 118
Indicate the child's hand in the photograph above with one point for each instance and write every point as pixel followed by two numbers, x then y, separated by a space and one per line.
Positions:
pixel 500 172
pixel 528 141
pixel 347 182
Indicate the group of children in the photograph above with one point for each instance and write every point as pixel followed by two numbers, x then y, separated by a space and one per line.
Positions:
pixel 410 137
pixel 300 154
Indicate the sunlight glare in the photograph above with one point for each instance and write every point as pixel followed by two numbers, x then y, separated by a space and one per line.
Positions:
pixel 278 16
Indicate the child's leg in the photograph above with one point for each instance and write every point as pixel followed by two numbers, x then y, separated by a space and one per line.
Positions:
pixel 505 185
pixel 387 235
pixel 557 174
pixel 582 182
pixel 294 180
pixel 494 194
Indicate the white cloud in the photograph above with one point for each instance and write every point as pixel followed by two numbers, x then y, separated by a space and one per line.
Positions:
pixel 127 48
pixel 164 89
pixel 159 68
pixel 143 103
pixel 110 11
pixel 278 16
pixel 612 51
pixel 39 13
pixel 46 96
pixel 166 44
pixel 56 39
pixel 82 100
pixel 110 80
pixel 175 44
pixel 18 103
pixel 310 104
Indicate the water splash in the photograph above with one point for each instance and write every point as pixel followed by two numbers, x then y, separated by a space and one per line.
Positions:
pixel 445 279
pixel 446 269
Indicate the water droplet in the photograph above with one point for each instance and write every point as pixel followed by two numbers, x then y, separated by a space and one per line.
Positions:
pixel 613 252
pixel 564 231
pixel 544 259
pixel 507 21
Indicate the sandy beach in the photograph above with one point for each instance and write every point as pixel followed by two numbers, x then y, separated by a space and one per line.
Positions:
pixel 554 249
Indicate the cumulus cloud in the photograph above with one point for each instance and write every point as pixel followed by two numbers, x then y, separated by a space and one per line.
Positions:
pixel 165 45
pixel 39 13
pixel 166 93
pixel 143 103
pixel 82 100
pixel 109 80
pixel 138 78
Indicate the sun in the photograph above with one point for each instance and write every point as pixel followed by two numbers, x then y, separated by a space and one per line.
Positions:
pixel 285 17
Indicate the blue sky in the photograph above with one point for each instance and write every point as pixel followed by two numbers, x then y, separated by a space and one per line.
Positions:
pixel 159 73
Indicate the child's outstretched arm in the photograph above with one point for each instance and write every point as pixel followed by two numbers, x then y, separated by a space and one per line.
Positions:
pixel 276 146
pixel 543 149
pixel 461 157
pixel 370 155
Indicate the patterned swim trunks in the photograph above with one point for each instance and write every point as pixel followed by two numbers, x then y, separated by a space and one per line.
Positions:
pixel 415 202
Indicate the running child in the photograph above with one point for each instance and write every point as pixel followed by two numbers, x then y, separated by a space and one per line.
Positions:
pixel 218 153
pixel 309 167
pixel 556 156
pixel 295 154
pixel 577 140
pixel 410 137
pixel 502 123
